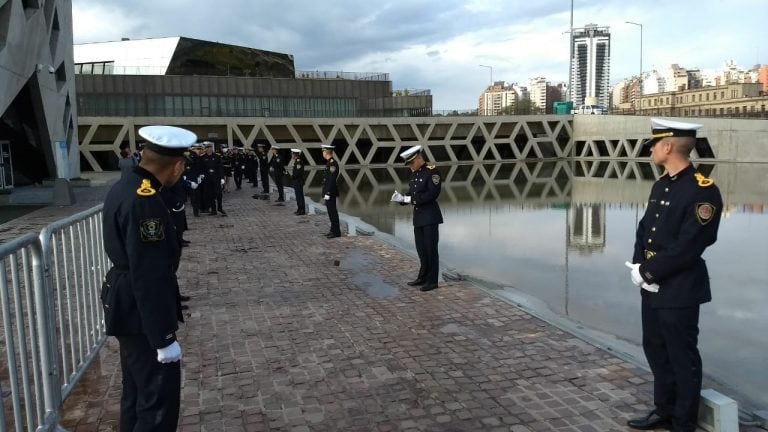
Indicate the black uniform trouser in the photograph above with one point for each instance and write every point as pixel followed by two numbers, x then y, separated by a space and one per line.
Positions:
pixel 264 180
pixel 194 199
pixel 211 194
pixel 298 189
pixel 238 178
pixel 278 178
pixel 333 215
pixel 670 338
pixel 427 237
pixel 151 390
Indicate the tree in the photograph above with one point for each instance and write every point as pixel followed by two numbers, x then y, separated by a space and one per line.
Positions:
pixel 526 106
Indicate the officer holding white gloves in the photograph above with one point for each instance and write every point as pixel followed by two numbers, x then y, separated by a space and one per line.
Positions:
pixel 139 293
pixel 680 222
pixel 424 188
pixel 331 190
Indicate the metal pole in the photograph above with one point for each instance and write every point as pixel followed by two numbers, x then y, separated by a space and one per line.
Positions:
pixel 641 63
pixel 570 57
pixel 490 68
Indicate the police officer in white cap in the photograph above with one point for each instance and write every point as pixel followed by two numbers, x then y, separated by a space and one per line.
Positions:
pixel 423 190
pixel 297 177
pixel 139 293
pixel 331 190
pixel 680 222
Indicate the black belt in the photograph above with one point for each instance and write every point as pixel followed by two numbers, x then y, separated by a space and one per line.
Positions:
pixel 649 254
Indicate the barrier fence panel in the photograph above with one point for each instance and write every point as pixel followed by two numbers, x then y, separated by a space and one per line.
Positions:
pixel 22 374
pixel 75 264
pixel 52 320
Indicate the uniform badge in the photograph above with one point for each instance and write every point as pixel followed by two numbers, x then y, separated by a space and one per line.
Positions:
pixel 145 189
pixel 704 212
pixel 151 230
pixel 333 168
pixel 436 179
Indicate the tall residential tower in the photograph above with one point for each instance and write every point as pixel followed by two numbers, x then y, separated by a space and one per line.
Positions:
pixel 591 64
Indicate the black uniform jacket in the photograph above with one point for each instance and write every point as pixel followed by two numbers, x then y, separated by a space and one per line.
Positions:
pixel 298 172
pixel 681 220
pixel 276 165
pixel 139 292
pixel 424 187
pixel 212 167
pixel 263 159
pixel 330 178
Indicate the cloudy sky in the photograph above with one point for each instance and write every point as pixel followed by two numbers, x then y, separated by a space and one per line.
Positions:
pixel 439 45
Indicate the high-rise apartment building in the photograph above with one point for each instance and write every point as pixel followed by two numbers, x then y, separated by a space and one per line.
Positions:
pixel 762 77
pixel 495 98
pixel 537 89
pixel 591 64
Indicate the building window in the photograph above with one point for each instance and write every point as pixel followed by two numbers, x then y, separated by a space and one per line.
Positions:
pixel 707 97
pixel 722 94
pixel 737 111
pixel 762 108
pixel 699 97
pixel 667 100
pixel 733 94
pixel 714 95
pixel 722 111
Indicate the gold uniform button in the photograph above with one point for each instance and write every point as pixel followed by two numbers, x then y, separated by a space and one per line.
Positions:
pixel 662 202
pixel 650 241
pixel 653 229
pixel 657 215
pixel 666 189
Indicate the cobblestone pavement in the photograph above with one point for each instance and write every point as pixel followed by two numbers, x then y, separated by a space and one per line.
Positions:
pixel 279 338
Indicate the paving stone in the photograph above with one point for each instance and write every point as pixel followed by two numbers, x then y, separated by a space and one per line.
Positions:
pixel 279 338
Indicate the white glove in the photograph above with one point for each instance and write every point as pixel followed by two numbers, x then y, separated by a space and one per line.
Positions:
pixel 200 178
pixel 271 170
pixel 242 167
pixel 652 287
pixel 634 273
pixel 397 197
pixel 193 185
pixel 407 199
pixel 222 182
pixel 327 197
pixel 169 354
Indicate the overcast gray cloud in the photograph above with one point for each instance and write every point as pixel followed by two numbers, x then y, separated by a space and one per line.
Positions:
pixel 439 44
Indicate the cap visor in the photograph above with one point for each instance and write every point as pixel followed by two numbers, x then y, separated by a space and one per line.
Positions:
pixel 650 141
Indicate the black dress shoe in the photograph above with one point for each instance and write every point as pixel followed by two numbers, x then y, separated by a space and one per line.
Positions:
pixel 416 282
pixel 300 213
pixel 332 235
pixel 279 200
pixel 184 298
pixel 213 213
pixel 184 307
pixel 185 242
pixel 650 422
pixel 428 287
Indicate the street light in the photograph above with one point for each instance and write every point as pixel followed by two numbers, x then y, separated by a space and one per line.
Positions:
pixel 641 62
pixel 490 68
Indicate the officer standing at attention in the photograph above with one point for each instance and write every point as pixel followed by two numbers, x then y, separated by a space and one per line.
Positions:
pixel 139 292
pixel 238 167
pixel 297 177
pixel 263 158
pixel 680 222
pixel 251 165
pixel 331 190
pixel 277 169
pixel 424 188
pixel 213 179
pixel 192 176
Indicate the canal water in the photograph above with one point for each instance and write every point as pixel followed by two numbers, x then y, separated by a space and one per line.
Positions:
pixel 561 231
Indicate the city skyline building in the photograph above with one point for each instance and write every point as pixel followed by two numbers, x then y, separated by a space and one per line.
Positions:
pixel 591 64
pixel 537 90
pixel 496 97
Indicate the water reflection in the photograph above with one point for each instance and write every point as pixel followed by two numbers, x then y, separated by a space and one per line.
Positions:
pixel 562 230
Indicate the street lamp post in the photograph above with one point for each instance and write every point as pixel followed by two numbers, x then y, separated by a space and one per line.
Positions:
pixel 490 68
pixel 641 63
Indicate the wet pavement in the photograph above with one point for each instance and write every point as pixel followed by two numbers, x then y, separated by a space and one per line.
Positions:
pixel 290 331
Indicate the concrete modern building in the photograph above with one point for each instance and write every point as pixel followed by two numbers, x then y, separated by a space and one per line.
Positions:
pixel 495 98
pixel 38 113
pixel 591 67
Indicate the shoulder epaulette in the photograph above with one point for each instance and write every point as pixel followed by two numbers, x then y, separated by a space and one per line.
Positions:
pixel 431 167
pixel 703 181
pixel 145 189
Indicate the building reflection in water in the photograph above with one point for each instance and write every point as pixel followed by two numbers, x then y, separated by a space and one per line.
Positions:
pixel 586 227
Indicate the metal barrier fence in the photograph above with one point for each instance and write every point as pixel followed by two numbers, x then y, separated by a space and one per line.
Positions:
pixel 52 320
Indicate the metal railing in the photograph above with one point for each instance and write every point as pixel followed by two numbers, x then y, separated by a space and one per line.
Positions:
pixel 52 320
